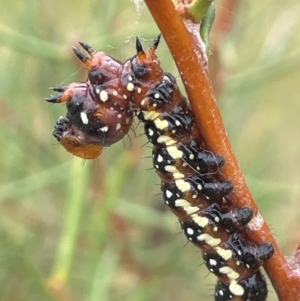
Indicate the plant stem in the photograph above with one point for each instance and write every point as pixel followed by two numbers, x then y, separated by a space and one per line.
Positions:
pixel 198 9
pixel 76 195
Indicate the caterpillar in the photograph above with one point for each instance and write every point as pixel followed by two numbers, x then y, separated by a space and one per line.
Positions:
pixel 100 112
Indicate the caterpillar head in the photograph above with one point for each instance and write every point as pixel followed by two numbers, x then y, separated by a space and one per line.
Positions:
pixel 145 64
pixel 74 140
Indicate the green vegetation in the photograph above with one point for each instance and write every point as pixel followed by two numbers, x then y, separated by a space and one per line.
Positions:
pixel 75 230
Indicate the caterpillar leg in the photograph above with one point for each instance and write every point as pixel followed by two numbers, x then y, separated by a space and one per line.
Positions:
pixel 74 140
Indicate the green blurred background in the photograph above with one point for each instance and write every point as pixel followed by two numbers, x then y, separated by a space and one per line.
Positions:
pixel 78 230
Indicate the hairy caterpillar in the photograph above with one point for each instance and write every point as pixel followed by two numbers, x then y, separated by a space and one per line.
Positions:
pixel 100 112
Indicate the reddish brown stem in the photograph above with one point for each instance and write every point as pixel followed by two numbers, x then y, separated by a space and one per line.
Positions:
pixel 187 55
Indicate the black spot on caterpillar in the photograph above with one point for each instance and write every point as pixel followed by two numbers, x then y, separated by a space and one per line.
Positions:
pixel 100 112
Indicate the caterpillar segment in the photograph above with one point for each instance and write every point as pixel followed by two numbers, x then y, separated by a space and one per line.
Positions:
pixel 167 117
pixel 254 288
pixel 100 112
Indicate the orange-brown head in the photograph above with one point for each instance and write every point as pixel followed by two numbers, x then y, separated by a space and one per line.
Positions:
pixel 75 141
pixel 145 65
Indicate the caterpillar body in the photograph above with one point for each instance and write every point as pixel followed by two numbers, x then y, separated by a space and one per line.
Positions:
pixel 100 112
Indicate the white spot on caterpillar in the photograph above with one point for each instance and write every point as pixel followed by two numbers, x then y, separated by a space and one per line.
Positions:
pixel 183 185
pixel 156 95
pixel 174 152
pixel 221 293
pixel 176 174
pixel 139 90
pixel 125 96
pixel 177 122
pixel 97 90
pixel 150 132
pixel 215 229
pixel 161 124
pixel 118 126
pixel 168 141
pixel 103 96
pixel 160 158
pixel 190 210
pixel 229 272
pixel 169 194
pixel 217 219
pixel 225 254
pixel 213 262
pixel 104 129
pixel 171 168
pixel 200 220
pixel 236 289
pixel 130 78
pixel 186 206
pixel 209 239
pixel 130 87
pixel 119 115
pixel 183 203
pixel 191 157
pixel 190 231
pixel 84 118
pixel 199 187
pixel 115 93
